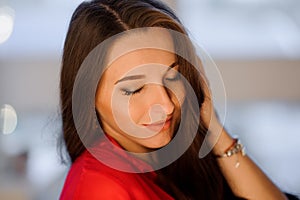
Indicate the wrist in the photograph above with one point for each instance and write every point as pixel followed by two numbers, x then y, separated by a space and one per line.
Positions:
pixel 223 142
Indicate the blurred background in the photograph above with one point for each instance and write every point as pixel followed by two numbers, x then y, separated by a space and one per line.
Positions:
pixel 255 44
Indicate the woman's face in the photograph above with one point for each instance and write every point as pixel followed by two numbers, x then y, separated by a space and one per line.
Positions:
pixel 139 98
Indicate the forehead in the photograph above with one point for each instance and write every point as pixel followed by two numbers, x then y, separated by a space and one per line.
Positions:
pixel 146 38
pixel 131 51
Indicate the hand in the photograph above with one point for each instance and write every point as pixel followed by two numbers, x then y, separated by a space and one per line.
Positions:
pixel 208 113
pixel 217 136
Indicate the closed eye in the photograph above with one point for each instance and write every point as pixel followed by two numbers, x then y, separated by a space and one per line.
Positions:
pixel 173 73
pixel 129 92
pixel 174 78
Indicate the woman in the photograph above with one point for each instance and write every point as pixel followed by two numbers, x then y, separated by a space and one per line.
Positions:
pixel 122 107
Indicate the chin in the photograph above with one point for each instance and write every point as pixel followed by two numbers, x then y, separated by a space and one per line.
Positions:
pixel 160 140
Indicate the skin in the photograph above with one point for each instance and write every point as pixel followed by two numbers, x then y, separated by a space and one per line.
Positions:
pixel 139 98
pixel 248 180
pixel 127 115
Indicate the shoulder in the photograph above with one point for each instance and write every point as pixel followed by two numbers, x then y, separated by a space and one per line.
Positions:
pixel 90 179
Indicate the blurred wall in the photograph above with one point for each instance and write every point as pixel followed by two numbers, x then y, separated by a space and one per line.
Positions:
pixel 255 44
pixel 259 80
pixel 33 84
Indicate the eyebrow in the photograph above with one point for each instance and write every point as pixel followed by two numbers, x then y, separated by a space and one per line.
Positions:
pixel 135 77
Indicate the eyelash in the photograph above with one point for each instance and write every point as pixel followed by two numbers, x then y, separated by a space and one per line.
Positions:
pixel 128 93
pixel 176 78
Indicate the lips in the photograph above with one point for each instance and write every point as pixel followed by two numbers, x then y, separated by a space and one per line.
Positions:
pixel 160 125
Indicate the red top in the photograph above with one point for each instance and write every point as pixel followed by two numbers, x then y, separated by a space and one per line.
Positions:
pixel 88 178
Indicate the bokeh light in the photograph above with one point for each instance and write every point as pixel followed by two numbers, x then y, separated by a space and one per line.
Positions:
pixel 6 23
pixel 8 119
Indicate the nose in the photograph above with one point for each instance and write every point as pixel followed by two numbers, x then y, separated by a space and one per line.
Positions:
pixel 161 100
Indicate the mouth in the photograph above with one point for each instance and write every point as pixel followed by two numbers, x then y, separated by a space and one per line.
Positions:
pixel 160 125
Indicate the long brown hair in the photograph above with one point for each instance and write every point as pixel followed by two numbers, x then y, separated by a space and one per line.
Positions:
pixel 93 22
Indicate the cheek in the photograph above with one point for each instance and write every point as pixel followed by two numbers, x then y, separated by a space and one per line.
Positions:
pixel 127 111
pixel 104 105
pixel 138 110
pixel 177 93
pixel 127 115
